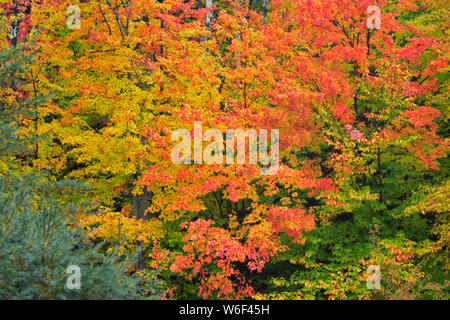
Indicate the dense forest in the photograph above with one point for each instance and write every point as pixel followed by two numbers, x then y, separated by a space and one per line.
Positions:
pixel 224 149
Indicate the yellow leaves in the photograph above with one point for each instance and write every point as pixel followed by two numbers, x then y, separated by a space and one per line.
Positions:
pixel 436 203
pixel 363 195
pixel 3 167
pixel 397 260
pixel 256 215
pixel 119 228
pixel 111 132
pixel 233 223
pixel 437 200
pixel 285 201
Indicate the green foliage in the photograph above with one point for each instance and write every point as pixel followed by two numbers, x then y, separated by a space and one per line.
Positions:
pixel 36 247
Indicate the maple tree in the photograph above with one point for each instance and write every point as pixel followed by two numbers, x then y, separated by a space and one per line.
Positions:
pixel 362 119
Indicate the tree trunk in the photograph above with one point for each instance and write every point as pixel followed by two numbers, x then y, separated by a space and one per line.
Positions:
pixel 209 16
pixel 136 206
pixel 236 7
pixel 14 32
pixel 15 26
pixel 144 203
pixel 265 6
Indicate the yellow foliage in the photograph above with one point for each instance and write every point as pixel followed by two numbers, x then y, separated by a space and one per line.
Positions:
pixel 118 227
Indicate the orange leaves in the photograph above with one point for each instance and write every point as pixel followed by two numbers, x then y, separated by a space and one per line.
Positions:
pixel 213 242
pixel 207 245
pixel 291 221
pixel 237 188
pixel 262 245
pixel 210 255
pixel 415 49
pixel 422 116
pixel 343 112
pixel 427 145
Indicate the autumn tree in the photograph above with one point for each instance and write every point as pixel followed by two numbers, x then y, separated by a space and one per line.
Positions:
pixel 358 111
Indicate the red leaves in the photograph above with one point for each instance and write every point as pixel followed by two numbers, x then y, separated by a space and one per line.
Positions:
pixel 213 254
pixel 291 221
pixel 415 49
pixel 342 112
pixel 355 134
pixel 207 245
pixel 422 116
pixel 428 146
